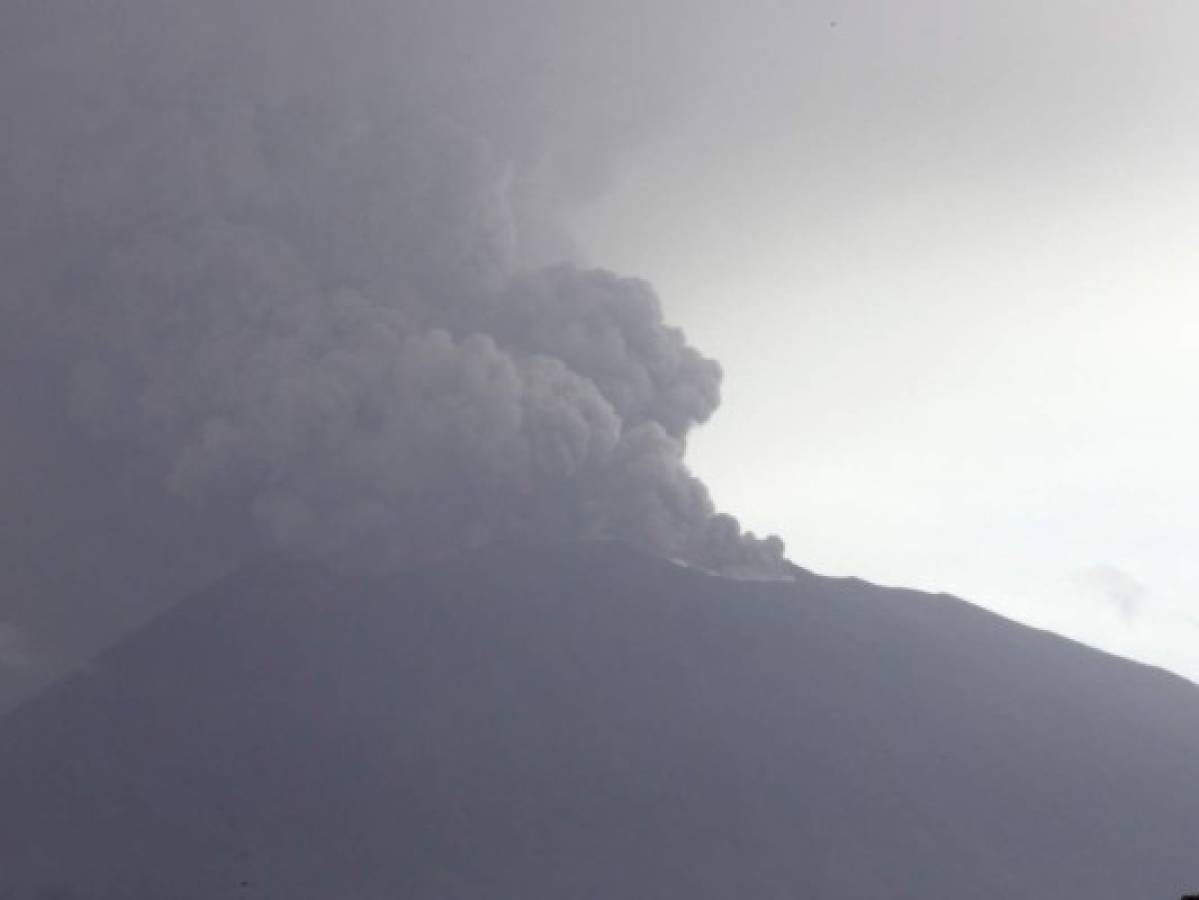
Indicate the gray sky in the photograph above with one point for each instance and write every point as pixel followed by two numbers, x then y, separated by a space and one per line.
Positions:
pixel 945 252
pixel 271 281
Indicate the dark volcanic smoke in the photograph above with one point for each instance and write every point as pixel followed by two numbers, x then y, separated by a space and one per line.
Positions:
pixel 272 260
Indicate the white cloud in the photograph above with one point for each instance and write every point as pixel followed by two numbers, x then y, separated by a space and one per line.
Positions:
pixel 1113 587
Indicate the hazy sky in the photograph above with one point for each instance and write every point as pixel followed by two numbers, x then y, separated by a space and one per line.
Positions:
pixel 945 252
pixel 272 278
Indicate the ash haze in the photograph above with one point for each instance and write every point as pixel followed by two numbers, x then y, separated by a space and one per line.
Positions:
pixel 319 279
pixel 275 280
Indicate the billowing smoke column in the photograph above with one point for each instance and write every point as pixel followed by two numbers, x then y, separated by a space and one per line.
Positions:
pixel 277 251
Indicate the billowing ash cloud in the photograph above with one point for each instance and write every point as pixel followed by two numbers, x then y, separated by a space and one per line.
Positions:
pixel 276 254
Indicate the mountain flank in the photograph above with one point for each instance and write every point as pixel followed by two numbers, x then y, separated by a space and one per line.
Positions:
pixel 583 721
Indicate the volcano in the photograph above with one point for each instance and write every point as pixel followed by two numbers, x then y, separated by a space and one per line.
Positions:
pixel 584 721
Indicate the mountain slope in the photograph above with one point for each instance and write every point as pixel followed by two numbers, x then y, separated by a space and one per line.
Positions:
pixel 582 722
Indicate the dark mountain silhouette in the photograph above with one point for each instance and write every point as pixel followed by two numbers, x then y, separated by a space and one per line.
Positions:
pixel 586 722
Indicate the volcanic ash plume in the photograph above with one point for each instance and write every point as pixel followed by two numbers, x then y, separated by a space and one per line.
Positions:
pixel 288 288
